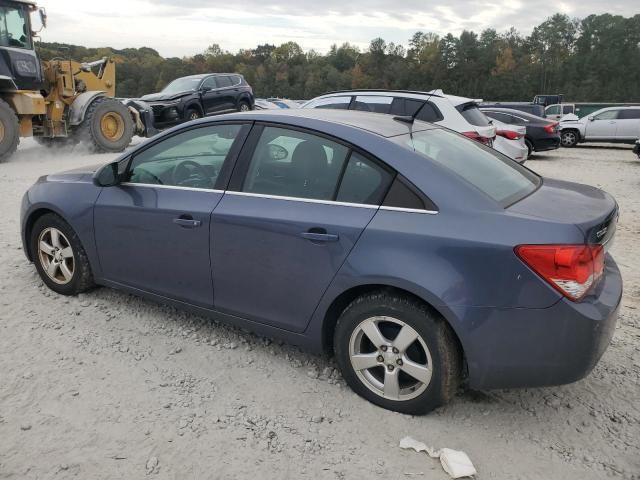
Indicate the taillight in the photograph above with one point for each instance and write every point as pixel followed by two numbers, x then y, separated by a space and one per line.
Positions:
pixel 508 134
pixel 479 138
pixel 551 127
pixel 570 269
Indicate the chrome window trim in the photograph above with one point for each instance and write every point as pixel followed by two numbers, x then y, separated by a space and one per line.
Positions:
pixel 172 187
pixel 282 197
pixel 409 210
pixel 305 200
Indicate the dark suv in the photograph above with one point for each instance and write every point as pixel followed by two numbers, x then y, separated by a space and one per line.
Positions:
pixel 197 96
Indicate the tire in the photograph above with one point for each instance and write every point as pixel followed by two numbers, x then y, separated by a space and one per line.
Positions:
pixel 529 147
pixel 107 126
pixel 80 278
pixel 9 131
pixel 569 138
pixel 435 345
pixel 192 114
pixel 244 106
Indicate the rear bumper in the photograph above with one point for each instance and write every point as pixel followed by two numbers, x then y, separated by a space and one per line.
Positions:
pixel 550 143
pixel 561 344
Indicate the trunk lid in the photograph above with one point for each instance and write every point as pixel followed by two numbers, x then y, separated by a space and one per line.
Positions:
pixel 592 210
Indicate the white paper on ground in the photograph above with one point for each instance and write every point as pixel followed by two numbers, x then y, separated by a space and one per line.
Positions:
pixel 456 463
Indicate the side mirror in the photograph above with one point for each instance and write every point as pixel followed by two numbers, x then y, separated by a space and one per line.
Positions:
pixel 592 118
pixel 43 17
pixel 108 176
pixel 206 89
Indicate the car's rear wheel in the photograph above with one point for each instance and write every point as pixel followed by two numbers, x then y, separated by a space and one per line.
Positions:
pixel 60 259
pixel 397 353
pixel 569 138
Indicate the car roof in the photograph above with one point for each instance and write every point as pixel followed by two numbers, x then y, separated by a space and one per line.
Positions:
pixel 376 123
pixel 513 111
pixel 438 93
pixel 204 75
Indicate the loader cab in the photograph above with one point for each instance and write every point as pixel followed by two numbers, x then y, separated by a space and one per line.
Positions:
pixel 20 67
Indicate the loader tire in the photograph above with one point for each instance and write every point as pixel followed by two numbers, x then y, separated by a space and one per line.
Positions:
pixel 9 131
pixel 107 126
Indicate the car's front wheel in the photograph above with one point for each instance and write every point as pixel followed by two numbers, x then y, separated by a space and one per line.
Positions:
pixel 569 138
pixel 397 353
pixel 59 256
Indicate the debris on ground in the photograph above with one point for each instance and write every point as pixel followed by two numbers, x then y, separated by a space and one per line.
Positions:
pixel 456 463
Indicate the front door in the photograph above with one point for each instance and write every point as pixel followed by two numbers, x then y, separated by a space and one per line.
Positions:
pixel 153 231
pixel 297 212
pixel 603 126
pixel 211 99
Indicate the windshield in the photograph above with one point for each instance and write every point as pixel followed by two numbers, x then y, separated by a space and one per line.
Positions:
pixel 494 174
pixel 14 27
pixel 182 85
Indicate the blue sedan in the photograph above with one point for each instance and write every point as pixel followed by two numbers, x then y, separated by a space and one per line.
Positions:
pixel 420 259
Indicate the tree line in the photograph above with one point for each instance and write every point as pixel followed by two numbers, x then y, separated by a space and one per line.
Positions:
pixel 593 59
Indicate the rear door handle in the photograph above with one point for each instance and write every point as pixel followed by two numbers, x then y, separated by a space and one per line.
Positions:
pixel 187 221
pixel 320 236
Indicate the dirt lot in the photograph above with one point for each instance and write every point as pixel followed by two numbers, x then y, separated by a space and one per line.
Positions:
pixel 107 385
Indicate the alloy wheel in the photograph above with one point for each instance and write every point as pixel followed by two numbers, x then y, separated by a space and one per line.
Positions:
pixel 56 255
pixel 390 358
pixel 568 138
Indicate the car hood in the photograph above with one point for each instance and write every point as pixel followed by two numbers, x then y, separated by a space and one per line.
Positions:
pixel 592 210
pixel 163 97
pixel 83 174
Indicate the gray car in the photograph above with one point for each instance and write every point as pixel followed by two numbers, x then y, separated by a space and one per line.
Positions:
pixel 419 258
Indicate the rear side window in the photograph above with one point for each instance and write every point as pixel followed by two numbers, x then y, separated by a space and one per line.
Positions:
pixel 376 104
pixel 629 114
pixel 223 81
pixel 402 195
pixel 340 103
pixel 473 115
pixel 567 109
pixel 364 181
pixel 498 177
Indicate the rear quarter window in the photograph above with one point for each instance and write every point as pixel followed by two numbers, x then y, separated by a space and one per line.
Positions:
pixel 473 115
pixel 495 175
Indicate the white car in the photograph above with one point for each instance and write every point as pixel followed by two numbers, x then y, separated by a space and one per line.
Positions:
pixel 510 141
pixel 611 125
pixel 456 113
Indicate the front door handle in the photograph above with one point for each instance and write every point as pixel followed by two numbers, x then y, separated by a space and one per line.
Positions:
pixel 187 221
pixel 319 235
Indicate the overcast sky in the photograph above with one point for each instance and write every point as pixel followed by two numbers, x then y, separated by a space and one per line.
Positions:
pixel 186 27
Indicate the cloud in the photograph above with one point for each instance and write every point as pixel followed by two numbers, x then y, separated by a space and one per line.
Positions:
pixel 191 26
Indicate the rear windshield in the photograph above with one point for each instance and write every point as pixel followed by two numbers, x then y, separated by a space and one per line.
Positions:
pixel 473 115
pixel 494 174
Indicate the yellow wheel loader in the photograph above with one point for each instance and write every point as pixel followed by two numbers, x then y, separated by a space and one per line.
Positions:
pixel 60 100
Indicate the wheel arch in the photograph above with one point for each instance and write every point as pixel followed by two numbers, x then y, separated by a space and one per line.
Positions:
pixel 81 104
pixel 30 221
pixel 341 301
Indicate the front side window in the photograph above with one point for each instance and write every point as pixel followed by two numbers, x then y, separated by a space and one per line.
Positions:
pixel 502 179
pixel 290 163
pixel 608 115
pixel 14 27
pixel 340 103
pixel 189 159
pixel 209 83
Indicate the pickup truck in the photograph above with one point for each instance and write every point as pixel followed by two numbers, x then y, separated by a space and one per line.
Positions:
pixel 609 125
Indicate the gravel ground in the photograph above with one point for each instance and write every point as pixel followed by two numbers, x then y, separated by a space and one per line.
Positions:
pixel 107 385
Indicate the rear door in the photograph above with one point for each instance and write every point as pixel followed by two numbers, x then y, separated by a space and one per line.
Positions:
pixel 153 231
pixel 296 206
pixel 628 124
pixel 226 93
pixel 602 126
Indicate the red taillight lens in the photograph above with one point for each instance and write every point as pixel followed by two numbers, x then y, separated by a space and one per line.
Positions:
pixel 570 269
pixel 551 127
pixel 479 138
pixel 508 134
